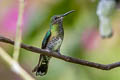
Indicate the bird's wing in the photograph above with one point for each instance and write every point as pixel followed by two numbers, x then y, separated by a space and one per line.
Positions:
pixel 46 38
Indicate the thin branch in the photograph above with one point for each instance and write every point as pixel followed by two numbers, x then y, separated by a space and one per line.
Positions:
pixel 18 30
pixel 63 57
pixel 15 66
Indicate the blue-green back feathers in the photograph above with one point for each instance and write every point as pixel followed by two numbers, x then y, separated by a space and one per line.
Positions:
pixel 46 38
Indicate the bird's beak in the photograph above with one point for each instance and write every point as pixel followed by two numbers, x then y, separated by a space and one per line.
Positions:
pixel 65 14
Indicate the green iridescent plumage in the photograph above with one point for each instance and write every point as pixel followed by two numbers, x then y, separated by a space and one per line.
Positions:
pixel 45 40
pixel 52 41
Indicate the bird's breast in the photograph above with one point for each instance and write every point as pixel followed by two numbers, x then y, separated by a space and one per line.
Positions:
pixel 54 44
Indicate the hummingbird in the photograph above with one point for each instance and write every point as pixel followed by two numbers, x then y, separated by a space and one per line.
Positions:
pixel 52 41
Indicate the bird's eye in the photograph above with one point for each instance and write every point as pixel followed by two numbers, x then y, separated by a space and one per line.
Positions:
pixel 56 18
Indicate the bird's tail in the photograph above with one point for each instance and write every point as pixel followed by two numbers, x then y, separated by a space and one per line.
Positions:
pixel 42 67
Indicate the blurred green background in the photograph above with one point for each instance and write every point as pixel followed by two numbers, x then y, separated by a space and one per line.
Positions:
pixel 81 40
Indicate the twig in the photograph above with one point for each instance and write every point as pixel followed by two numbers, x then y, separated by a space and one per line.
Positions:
pixel 18 30
pixel 63 57
pixel 15 66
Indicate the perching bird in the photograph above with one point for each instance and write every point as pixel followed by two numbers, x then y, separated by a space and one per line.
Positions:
pixel 52 41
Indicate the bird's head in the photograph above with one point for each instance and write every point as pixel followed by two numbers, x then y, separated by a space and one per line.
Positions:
pixel 59 18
